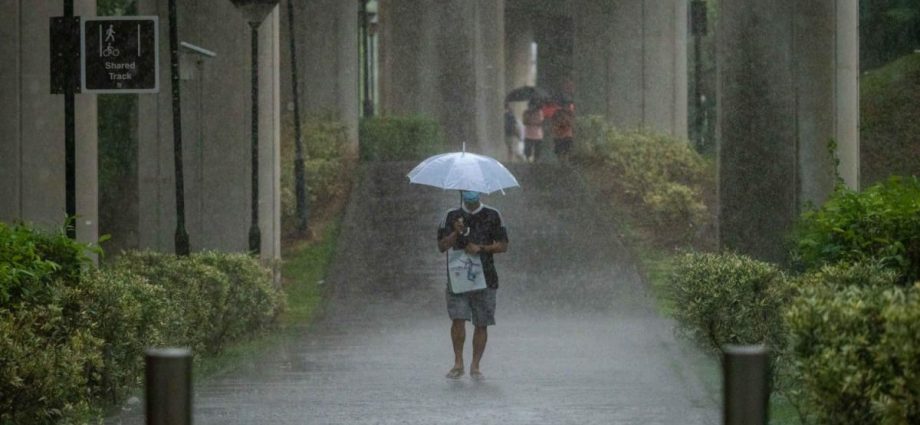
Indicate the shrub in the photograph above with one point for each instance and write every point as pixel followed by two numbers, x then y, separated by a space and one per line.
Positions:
pixel 399 138
pixel 663 176
pixel 326 166
pixel 724 299
pixel 43 367
pixel 213 305
pixel 126 314
pixel 32 260
pixel 856 352
pixel 879 224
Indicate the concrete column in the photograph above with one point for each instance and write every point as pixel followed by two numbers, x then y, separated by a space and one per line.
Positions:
pixel 847 90
pixel 327 56
pixel 32 173
pixel 446 60
pixel 216 124
pixel 783 95
pixel 519 36
pixel 631 62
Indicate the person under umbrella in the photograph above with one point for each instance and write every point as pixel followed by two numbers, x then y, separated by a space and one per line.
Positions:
pixel 478 231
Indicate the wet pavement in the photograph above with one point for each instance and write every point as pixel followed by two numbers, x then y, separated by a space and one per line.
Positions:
pixel 577 339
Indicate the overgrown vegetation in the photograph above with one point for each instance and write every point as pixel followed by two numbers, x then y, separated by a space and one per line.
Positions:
pixel 399 138
pixel 881 223
pixel 72 335
pixel 843 332
pixel 327 167
pixel 889 128
pixel 661 182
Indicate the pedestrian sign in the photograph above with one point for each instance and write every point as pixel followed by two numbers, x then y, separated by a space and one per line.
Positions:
pixel 120 54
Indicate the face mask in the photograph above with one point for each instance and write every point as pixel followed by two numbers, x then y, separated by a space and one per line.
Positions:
pixel 469 197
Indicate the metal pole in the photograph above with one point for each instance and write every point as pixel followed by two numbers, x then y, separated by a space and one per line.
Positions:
pixel 299 169
pixel 70 173
pixel 255 236
pixel 181 237
pixel 746 385
pixel 169 386
pixel 368 103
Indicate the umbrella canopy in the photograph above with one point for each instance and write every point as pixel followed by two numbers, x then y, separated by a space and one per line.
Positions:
pixel 463 171
pixel 528 93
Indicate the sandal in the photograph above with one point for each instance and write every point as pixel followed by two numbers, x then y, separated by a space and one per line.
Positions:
pixel 455 373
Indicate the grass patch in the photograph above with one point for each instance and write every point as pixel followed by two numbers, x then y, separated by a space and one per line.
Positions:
pixel 305 271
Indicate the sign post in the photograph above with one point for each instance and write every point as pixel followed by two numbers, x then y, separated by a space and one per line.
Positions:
pixel 119 54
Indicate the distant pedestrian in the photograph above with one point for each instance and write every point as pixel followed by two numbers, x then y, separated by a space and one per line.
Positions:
pixel 479 230
pixel 512 132
pixel 533 130
pixel 563 131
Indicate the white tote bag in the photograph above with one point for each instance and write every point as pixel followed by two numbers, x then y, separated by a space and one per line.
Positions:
pixel 464 272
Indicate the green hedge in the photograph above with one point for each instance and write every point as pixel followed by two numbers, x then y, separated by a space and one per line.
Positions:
pixel 856 352
pixel 325 143
pixel 722 299
pixel 72 336
pixel 879 224
pixel 399 138
pixel 663 175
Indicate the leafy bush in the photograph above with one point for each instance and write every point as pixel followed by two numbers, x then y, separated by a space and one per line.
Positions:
pixel 43 367
pixel 664 176
pixel 31 260
pixel 879 224
pixel 724 299
pixel 857 352
pixel 326 166
pixel 126 314
pixel 399 138
pixel 218 297
pixel 72 335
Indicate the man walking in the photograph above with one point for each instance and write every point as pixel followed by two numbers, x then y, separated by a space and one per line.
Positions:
pixel 477 229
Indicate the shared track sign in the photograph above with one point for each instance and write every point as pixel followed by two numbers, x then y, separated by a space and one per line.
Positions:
pixel 120 54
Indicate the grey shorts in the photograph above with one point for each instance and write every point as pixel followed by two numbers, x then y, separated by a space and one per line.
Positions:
pixel 475 306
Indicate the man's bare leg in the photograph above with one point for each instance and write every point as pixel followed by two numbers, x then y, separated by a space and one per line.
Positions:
pixel 458 337
pixel 480 336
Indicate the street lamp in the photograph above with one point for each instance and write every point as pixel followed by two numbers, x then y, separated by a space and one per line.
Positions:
pixel 255 12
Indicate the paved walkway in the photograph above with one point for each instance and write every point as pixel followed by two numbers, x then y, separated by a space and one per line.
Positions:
pixel 577 340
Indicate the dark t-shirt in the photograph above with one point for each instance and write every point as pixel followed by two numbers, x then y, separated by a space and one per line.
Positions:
pixel 510 124
pixel 486 228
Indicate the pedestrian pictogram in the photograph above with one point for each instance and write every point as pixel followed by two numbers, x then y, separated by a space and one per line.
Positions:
pixel 126 58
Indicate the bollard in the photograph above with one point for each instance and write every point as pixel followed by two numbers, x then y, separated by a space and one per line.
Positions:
pixel 746 385
pixel 169 386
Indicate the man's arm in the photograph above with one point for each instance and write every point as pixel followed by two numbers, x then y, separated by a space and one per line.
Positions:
pixel 450 239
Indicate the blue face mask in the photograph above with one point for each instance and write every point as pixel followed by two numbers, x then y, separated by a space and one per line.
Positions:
pixel 469 197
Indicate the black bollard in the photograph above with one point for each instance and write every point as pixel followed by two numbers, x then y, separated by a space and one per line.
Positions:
pixel 746 385
pixel 169 386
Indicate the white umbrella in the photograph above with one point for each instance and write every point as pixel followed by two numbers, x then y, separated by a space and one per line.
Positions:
pixel 463 171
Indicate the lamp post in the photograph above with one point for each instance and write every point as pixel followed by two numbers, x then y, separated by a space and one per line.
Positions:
pixel 255 12
pixel 699 29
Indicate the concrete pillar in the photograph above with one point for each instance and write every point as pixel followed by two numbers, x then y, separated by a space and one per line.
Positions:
pixel 519 36
pixel 786 87
pixel 32 173
pixel 630 62
pixel 216 125
pixel 446 60
pixel 327 61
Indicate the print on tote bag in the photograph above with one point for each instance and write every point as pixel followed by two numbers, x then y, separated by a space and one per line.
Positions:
pixel 464 272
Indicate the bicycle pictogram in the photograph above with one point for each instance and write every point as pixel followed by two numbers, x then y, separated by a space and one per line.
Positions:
pixel 110 51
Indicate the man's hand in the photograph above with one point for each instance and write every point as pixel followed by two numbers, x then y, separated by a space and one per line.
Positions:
pixel 472 248
pixel 458 226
